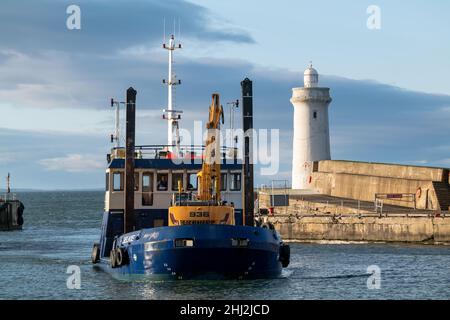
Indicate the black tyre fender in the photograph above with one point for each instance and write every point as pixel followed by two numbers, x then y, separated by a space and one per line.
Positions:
pixel 285 255
pixel 268 225
pixel 95 256
pixel 20 214
pixel 121 257
pixel 112 258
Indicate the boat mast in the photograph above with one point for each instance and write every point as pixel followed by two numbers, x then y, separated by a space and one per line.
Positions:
pixel 171 115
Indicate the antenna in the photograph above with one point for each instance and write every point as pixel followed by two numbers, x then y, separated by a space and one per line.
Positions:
pixel 174 26
pixel 179 30
pixel 116 136
pixel 233 105
pixel 164 30
pixel 169 114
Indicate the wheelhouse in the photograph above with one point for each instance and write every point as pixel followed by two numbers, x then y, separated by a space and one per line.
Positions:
pixel 158 175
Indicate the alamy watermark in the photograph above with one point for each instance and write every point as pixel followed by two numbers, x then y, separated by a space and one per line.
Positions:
pixel 264 149
pixel 374 280
pixel 74 280
pixel 73 21
pixel 374 19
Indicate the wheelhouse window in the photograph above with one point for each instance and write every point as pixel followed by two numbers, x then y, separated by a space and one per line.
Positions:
pixel 223 182
pixel 147 189
pixel 162 181
pixel 235 183
pixel 177 176
pixel 118 181
pixel 192 182
pixel 147 182
pixel 107 182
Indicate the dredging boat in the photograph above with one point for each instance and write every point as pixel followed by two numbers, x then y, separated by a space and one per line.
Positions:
pixel 184 212
pixel 11 210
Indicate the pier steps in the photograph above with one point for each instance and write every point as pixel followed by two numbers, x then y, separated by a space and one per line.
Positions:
pixel 442 190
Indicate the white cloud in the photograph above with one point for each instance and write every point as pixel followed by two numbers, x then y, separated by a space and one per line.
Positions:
pixel 73 163
pixel 419 162
pixel 444 161
pixel 6 158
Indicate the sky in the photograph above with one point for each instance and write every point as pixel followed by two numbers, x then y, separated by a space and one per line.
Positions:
pixel 391 98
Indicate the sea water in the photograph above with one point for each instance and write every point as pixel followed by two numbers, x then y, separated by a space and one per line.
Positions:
pixel 60 228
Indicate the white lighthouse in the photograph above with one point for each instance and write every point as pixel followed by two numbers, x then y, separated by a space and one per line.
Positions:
pixel 311 129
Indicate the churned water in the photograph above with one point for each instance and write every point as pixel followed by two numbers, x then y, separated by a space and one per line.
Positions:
pixel 60 228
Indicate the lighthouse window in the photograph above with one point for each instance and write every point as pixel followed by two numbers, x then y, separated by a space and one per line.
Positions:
pixel 315 114
pixel 223 182
pixel 191 181
pixel 175 178
pixel 118 181
pixel 235 182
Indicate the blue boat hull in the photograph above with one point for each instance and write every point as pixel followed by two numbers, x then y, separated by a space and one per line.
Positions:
pixel 213 255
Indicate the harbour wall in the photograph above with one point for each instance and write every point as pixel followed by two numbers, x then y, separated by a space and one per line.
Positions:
pixel 340 204
pixel 383 170
pixel 362 180
pixel 353 228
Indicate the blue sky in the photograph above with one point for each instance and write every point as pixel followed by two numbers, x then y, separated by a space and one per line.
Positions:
pixel 391 98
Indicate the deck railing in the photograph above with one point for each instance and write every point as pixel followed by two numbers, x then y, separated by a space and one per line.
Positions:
pixel 8 197
pixel 162 152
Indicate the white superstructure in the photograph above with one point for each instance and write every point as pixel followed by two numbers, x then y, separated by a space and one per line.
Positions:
pixel 311 129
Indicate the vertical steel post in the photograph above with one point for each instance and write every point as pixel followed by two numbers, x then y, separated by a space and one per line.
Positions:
pixel 129 160
pixel 8 184
pixel 247 126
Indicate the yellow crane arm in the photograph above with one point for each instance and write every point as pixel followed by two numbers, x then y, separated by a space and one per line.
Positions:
pixel 209 176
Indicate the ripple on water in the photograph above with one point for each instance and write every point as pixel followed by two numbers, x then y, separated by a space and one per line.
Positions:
pixel 60 228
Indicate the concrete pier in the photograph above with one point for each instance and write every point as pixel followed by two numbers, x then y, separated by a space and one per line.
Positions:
pixel 426 229
pixel 361 201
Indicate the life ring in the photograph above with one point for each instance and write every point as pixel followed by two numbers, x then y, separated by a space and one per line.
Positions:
pixel 418 192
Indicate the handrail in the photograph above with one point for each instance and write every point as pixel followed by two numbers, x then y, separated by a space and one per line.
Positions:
pixel 157 151
pixel 8 197
pixel 165 147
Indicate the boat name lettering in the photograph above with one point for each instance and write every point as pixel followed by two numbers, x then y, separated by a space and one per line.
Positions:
pixel 128 239
pixel 153 235
pixel 199 214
